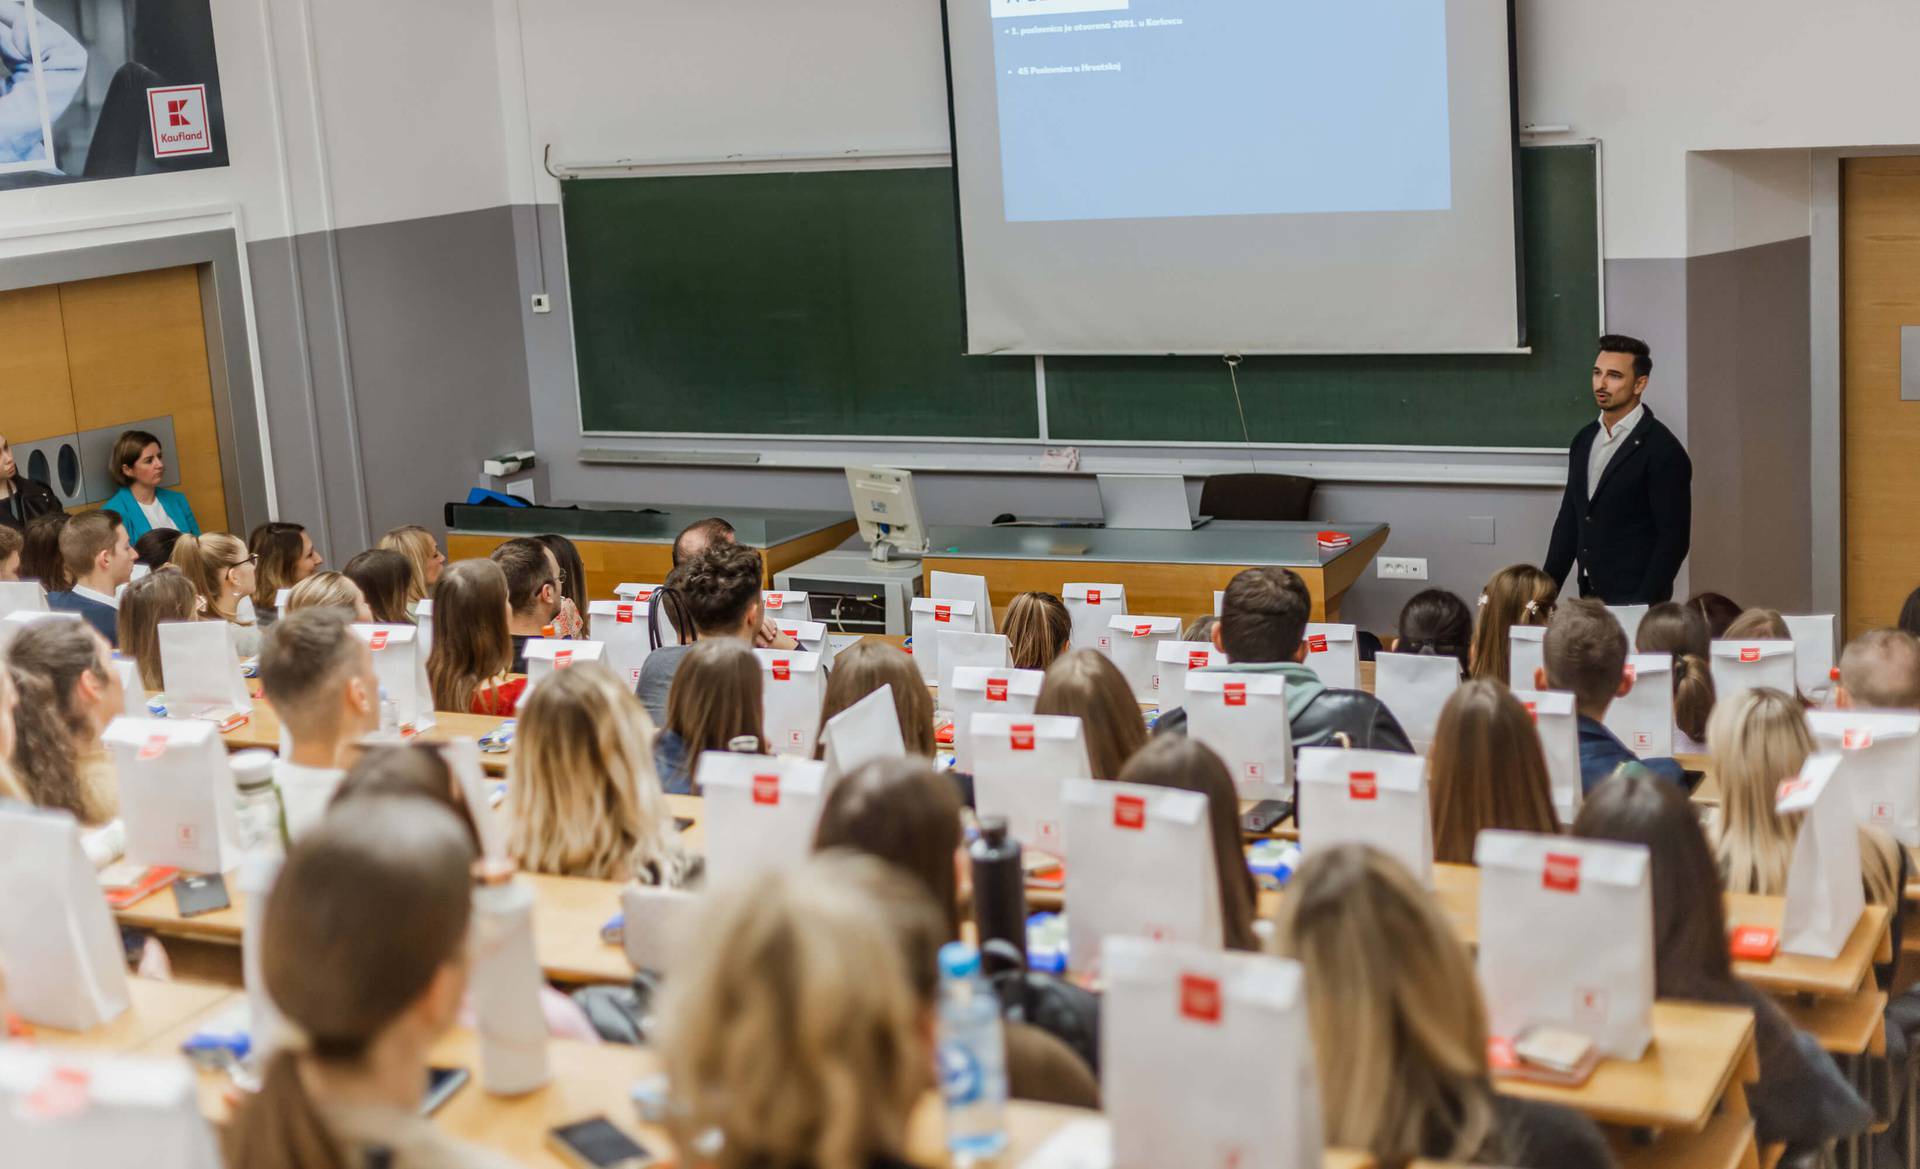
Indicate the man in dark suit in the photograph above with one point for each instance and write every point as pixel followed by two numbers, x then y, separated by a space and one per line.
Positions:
pixel 1627 514
pixel 94 547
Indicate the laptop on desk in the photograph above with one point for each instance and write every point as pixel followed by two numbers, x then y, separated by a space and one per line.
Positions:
pixel 1147 501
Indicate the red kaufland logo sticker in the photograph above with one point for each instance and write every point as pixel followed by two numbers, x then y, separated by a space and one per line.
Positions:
pixel 1129 812
pixel 1317 643
pixel 154 747
pixel 623 614
pixel 178 114
pixel 1855 739
pixel 943 613
pixel 1363 785
pixel 1093 596
pixel 562 658
pixel 1020 737
pixel 775 601
pixel 1234 693
pixel 1143 631
pixel 1561 873
pixel 1749 653
pixel 1200 998
pixel 1533 711
pixel 782 669
pixel 996 689
pixel 1196 659
pixel 378 641
pixel 766 789
pixel 643 595
pixel 1790 787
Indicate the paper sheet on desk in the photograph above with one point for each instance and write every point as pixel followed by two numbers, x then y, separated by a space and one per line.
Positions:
pixel 1080 1144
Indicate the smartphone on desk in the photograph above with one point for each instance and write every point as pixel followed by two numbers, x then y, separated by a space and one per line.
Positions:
pixel 442 1083
pixel 1264 816
pixel 597 1144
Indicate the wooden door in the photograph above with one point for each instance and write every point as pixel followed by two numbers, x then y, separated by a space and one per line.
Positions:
pixel 33 367
pixel 1880 293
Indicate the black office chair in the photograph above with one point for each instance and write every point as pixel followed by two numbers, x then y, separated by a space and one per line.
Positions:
pixel 1257 497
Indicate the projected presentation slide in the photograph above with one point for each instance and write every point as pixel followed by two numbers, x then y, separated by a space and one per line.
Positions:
pixel 1142 109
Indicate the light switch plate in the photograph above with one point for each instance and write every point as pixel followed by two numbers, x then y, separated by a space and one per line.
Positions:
pixel 1402 568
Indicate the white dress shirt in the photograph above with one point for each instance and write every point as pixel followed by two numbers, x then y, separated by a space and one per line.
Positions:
pixel 80 590
pixel 1607 442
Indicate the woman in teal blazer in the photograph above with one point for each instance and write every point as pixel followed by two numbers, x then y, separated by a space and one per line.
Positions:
pixel 141 503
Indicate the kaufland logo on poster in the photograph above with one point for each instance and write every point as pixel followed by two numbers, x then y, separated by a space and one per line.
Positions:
pixel 179 117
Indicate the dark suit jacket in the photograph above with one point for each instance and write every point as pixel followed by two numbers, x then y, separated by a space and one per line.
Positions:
pixel 104 618
pixel 1632 536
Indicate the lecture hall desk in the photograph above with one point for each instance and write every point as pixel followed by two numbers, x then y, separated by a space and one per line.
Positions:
pixel 262 731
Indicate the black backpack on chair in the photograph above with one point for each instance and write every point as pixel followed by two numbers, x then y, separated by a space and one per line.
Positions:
pixel 1067 1012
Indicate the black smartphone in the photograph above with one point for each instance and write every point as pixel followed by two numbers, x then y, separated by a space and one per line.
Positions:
pixel 200 893
pixel 442 1083
pixel 597 1144
pixel 1264 816
pixel 681 823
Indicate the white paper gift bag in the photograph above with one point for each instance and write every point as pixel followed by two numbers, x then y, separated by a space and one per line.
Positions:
pixel 423 621
pixel 1643 719
pixel 978 690
pixel 1566 938
pixel 1333 654
pixel 1019 765
pixel 64 963
pixel 13 624
pixel 1377 798
pixel 760 811
pixel 1206 1059
pixel 1091 606
pixel 1219 600
pixel 954 650
pixel 785 606
pixel 1629 617
pixel 1414 688
pixel 1243 718
pixel 866 731
pixel 1173 660
pixel 621 626
pixel 89 1108
pixel 1824 894
pixel 792 687
pixel 1557 724
pixel 1526 654
pixel 642 596
pixel 810 635
pixel 133 691
pixel 1133 643
pixel 547 654
pixel 401 668
pixel 1880 765
pixel 202 669
pixel 966 587
pixel 930 616
pixel 176 793
pixel 1739 666
pixel 1812 653
pixel 1143 866
pixel 22 596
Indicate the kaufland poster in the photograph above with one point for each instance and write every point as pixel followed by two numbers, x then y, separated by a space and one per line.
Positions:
pixel 105 89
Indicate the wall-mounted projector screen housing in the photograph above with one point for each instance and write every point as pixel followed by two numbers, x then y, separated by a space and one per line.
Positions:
pixel 1235 176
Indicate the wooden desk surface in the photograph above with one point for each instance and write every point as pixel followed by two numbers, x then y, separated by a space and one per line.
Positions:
pixel 156 1010
pixel 262 731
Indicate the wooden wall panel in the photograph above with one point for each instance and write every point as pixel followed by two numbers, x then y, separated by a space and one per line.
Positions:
pixel 34 385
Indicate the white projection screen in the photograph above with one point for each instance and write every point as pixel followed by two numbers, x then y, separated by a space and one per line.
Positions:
pixel 1235 176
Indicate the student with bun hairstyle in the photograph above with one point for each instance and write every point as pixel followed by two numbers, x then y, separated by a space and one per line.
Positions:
pixel 1681 631
pixel 1400 1030
pixel 330 590
pixel 864 667
pixel 472 651
pixel 1486 770
pixel 68 691
pixel 1038 629
pixel 138 466
pixel 221 571
pixel 1519 594
pixel 721 703
pixel 383 578
pixel 148 602
pixel 1437 623
pixel 1086 684
pixel 424 560
pixel 1186 765
pixel 284 556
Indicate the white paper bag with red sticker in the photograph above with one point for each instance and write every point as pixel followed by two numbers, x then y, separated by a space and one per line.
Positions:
pixel 1219 600
pixel 1133 643
pixel 1880 765
pixel 1813 636
pixel 810 635
pixel 1415 688
pixel 1739 666
pixel 67 1106
pixel 176 793
pixel 1143 866
pixel 1558 725
pixel 786 606
pixel 1377 798
pixel 22 596
pixel 1091 606
pixel 1333 654
pixel 792 686
pixel 1629 617
pixel 760 811
pixel 967 587
pixel 1173 661
pixel 64 963
pixel 1019 765
pixel 1824 895
pixel 1526 654
pixel 621 626
pixel 1243 718
pixel 1643 718
pixel 401 668
pixel 931 615
pixel 202 668
pixel 1206 1059
pixel 862 733
pixel 1566 938
pixel 642 597
pixel 959 650
pixel 979 690
pixel 422 621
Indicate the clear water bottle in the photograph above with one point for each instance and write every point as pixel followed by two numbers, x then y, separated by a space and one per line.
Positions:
pixel 506 984
pixel 973 1058
pixel 257 808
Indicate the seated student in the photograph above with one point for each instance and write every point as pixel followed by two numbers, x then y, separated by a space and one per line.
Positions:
pixel 864 667
pixel 22 500
pixel 1200 628
pixel 533 594
pixel 98 560
pixel 1486 770
pixel 40 552
pixel 68 693
pixel 11 542
pixel 413 770
pixel 696 538
pixel 382 887
pixel 220 569
pixel 719 703
pixel 1037 629
pixel 571 620
pixel 1680 631
pixel 425 561
pixel 1518 594
pixel 149 601
pixel 154 551
pixel 1586 654
pixel 1716 609
pixel 138 466
pixel 1438 623
pixel 320 679
pixel 904 813
pixel 717 595
pixel 1179 762
pixel 383 579
pixel 1801 1098
pixel 1880 670
pixel 1263 622
pixel 1400 1030
pixel 1086 684
pixel 1763 625
pixel 584 800
pixel 472 651
pixel 284 556
pixel 330 590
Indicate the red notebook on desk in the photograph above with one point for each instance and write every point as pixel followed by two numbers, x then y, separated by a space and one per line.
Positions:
pixel 127 885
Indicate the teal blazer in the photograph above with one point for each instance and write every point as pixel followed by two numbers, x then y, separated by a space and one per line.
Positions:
pixel 175 504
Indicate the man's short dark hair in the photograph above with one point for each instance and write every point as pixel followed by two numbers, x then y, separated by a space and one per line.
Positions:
pixel 1881 669
pixel 1586 652
pixel 304 658
pixel 525 563
pixel 720 584
pixel 1264 615
pixel 1632 346
pixel 710 531
pixel 86 537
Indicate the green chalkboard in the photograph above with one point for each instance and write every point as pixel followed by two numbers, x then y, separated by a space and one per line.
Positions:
pixel 820 303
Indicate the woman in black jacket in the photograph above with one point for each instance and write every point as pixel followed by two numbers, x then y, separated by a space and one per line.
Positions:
pixel 21 498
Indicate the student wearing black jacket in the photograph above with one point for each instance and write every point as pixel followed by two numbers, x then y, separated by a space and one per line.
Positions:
pixel 21 498
pixel 1627 512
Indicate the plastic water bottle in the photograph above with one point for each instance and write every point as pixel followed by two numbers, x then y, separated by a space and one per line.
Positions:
pixel 973 1057
pixel 999 886
pixel 506 986
pixel 258 808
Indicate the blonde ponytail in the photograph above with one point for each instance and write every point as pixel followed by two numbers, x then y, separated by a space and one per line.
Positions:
pixel 203 560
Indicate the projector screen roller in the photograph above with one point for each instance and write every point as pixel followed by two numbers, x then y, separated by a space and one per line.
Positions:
pixel 1235 176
